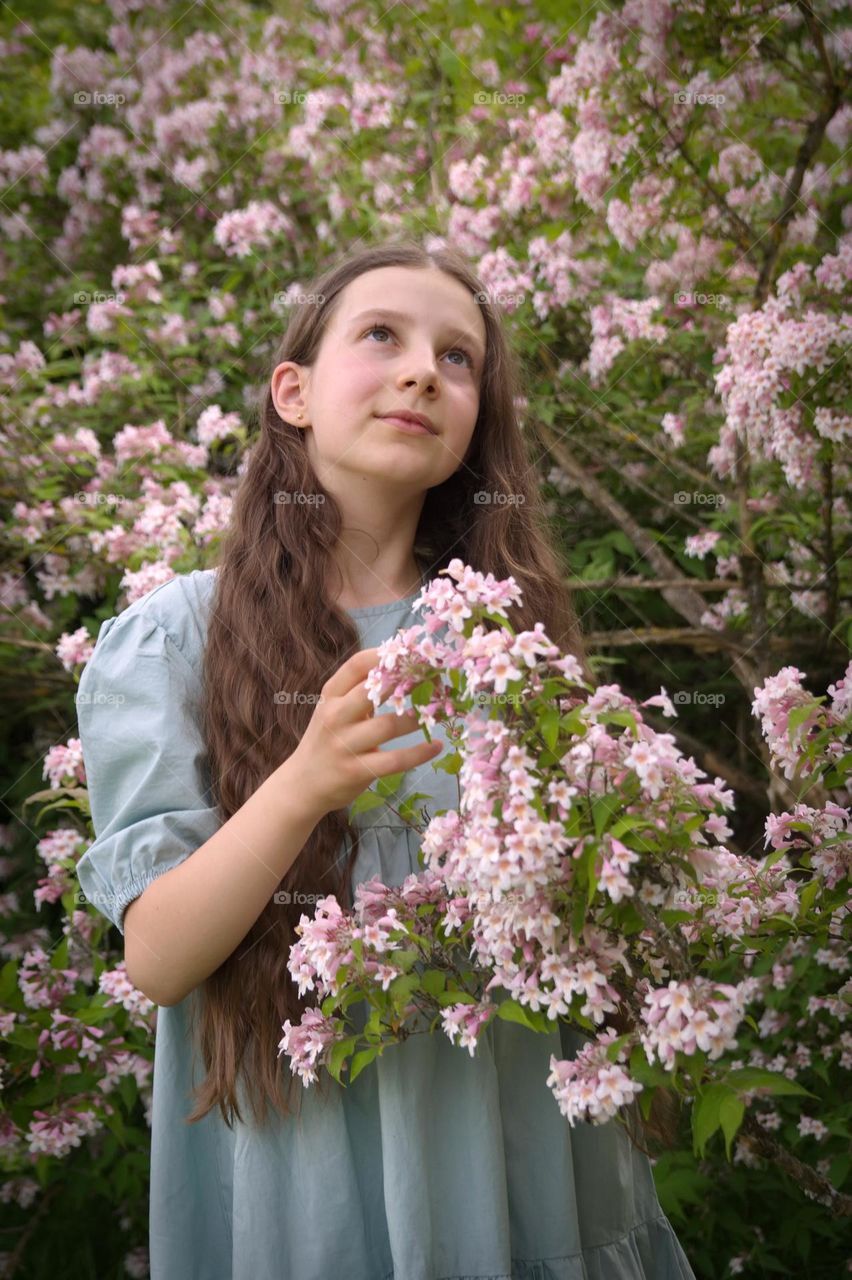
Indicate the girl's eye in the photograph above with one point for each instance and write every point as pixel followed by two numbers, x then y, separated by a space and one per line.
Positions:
pixel 462 350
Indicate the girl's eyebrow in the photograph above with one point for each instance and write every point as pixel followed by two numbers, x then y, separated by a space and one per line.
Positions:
pixel 387 314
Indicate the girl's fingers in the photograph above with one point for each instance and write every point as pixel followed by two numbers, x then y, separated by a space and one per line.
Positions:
pixel 381 728
pixel 351 673
pixel 402 759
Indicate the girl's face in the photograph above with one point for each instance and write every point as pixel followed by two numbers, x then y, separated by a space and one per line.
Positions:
pixel 426 358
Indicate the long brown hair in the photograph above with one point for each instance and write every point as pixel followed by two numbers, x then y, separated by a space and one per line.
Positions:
pixel 273 628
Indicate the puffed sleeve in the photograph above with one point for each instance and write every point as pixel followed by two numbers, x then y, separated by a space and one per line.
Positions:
pixel 146 767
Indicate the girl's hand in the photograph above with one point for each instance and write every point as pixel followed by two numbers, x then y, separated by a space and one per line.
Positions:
pixel 338 755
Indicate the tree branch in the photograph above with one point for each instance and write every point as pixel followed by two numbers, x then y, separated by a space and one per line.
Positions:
pixel 820 1188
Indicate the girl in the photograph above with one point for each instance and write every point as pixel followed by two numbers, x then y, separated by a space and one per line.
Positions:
pixel 220 778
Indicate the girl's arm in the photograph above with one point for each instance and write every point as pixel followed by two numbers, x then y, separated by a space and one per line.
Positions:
pixel 190 918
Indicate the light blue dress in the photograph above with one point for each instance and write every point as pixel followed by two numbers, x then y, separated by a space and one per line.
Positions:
pixel 433 1165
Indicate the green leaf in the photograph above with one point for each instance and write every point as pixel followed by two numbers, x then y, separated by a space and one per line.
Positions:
pixel 798 716
pixel 647 1073
pixel 550 726
pixel 404 960
pixel 511 1011
pixel 445 998
pixel 603 807
pixel 806 897
pixel 402 988
pixel 433 981
pixel 706 1115
pixel 615 1048
pixel 367 800
pixel 387 785
pixel 422 693
pixel 775 856
pixel 338 1053
pixel 750 1078
pixel 622 717
pixel 8 981
pixel 363 1059
pixel 731 1113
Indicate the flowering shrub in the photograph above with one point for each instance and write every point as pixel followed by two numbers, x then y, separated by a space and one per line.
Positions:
pixel 672 272
pixel 584 870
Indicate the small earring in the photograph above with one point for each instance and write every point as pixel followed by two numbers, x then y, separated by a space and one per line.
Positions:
pixel 301 415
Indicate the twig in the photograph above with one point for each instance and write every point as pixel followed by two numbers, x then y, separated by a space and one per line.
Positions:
pixel 766 1146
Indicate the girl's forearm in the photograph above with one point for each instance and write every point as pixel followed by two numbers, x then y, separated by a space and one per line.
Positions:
pixel 193 916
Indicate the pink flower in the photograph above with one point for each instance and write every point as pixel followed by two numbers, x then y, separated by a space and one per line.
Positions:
pixel 63 764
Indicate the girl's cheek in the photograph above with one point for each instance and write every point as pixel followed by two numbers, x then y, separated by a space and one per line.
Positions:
pixel 363 373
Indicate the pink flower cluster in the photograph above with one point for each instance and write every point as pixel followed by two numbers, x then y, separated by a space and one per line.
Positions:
pixel 63 764
pixel 774 701
pixel 214 425
pixel 116 984
pixel 466 1021
pixel 763 348
pixel 615 323
pixel 326 944
pixel 42 986
pixel 589 1087
pixel 684 1017
pixel 830 858
pixel 308 1043
pixel 255 227
pixel 74 648
pixel 55 1134
pixel 504 864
